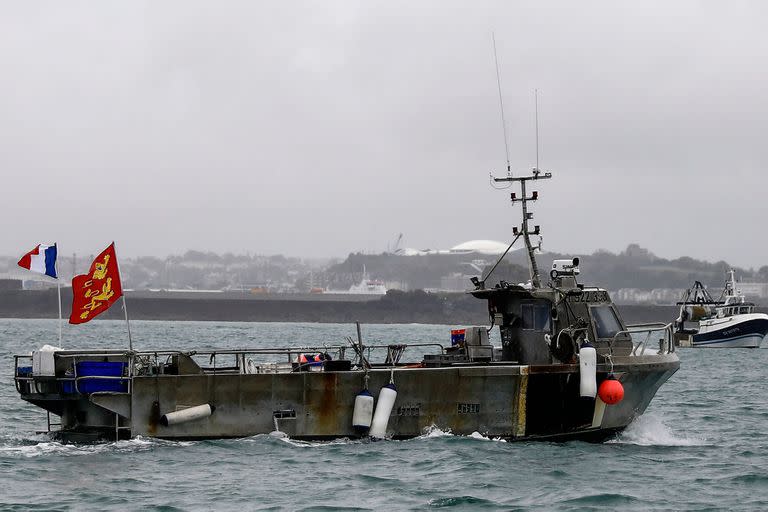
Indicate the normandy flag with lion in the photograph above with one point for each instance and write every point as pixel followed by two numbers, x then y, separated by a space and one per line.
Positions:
pixel 94 292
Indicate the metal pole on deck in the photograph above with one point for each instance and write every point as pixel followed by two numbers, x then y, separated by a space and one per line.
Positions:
pixel 130 340
pixel 359 337
pixel 58 288
pixel 125 308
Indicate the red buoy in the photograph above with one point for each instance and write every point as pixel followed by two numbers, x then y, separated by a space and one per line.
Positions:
pixel 611 391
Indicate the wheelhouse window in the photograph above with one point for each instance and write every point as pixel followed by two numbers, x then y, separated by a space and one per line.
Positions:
pixel 606 322
pixel 536 317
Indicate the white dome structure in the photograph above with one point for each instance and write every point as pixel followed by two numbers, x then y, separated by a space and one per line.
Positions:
pixel 480 247
pixel 485 247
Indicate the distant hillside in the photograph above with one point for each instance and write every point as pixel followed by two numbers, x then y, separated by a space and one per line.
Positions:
pixel 634 267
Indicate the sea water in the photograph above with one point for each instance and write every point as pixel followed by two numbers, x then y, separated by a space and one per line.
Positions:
pixel 701 445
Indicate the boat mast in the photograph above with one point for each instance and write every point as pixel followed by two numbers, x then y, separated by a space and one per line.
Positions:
pixel 536 175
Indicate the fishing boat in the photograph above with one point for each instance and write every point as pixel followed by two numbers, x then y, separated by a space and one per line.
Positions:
pixel 728 322
pixel 567 367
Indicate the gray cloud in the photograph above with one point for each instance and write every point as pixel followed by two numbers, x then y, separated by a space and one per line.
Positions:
pixel 324 128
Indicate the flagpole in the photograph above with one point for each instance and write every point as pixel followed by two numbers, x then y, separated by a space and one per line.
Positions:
pixel 58 287
pixel 125 308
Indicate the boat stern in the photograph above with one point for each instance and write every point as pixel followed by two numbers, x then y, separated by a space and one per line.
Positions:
pixel 88 391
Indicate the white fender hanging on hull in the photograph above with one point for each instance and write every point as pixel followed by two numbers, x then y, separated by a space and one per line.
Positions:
pixel 380 421
pixel 587 371
pixel 363 411
pixel 189 414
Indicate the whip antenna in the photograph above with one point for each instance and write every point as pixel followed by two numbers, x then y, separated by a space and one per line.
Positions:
pixel 501 103
pixel 536 101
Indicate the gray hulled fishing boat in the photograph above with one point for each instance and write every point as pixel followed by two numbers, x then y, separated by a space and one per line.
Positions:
pixel 568 367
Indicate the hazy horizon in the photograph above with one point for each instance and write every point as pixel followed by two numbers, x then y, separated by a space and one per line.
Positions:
pixel 327 128
pixel 340 257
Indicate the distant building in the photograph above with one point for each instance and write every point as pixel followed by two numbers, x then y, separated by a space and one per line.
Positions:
pixel 455 282
pixel 657 296
pixel 26 280
pixel 753 290
pixel 489 247
pixel 10 284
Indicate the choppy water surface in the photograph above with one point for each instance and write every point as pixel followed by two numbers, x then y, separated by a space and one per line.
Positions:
pixel 700 446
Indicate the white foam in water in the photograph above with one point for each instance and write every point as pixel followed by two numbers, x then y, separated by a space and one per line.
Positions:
pixel 55 448
pixel 434 431
pixel 650 430
pixel 34 450
pixel 306 444
pixel 478 435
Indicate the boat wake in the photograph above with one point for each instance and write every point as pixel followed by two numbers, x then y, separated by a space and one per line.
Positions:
pixel 42 445
pixel 431 432
pixel 281 437
pixel 650 430
pixel 437 432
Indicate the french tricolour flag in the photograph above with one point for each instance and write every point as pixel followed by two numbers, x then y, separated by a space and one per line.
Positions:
pixel 41 259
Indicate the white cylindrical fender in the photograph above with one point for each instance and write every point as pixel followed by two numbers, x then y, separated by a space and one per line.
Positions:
pixel 363 412
pixel 380 421
pixel 189 414
pixel 588 371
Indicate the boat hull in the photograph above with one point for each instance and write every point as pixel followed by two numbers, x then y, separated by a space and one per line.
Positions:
pixel 742 331
pixel 514 402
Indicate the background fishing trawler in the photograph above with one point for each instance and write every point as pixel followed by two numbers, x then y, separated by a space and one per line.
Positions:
pixel 567 367
pixel 729 322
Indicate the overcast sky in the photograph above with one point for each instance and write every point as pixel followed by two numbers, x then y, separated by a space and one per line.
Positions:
pixel 319 129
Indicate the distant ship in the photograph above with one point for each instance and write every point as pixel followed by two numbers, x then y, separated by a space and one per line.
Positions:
pixel 366 286
pixel 730 322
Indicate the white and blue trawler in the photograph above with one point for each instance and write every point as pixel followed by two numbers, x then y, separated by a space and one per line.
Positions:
pixel 568 368
pixel 729 322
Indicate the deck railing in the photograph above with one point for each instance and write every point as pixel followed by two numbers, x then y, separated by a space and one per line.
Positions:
pixel 155 362
pixel 648 334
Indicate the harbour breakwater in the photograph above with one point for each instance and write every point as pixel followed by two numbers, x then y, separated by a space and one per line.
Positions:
pixel 395 307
